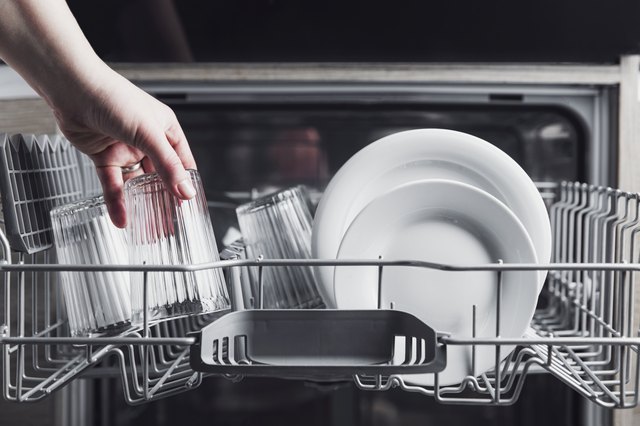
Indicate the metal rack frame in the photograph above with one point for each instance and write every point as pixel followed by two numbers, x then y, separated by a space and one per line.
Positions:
pixel 585 333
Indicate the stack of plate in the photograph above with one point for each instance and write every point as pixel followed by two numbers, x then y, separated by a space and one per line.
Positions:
pixel 440 196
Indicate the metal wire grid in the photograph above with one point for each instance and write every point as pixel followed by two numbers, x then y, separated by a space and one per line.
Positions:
pixel 595 225
pixel 161 370
pixel 32 309
pixel 583 334
pixel 38 173
pixel 38 357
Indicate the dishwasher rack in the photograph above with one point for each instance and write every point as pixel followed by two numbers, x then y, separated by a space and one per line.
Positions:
pixel 584 332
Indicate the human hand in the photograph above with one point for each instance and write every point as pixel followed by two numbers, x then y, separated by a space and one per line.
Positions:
pixel 118 125
pixel 99 111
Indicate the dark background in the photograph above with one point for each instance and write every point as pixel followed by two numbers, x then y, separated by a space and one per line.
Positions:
pixel 337 30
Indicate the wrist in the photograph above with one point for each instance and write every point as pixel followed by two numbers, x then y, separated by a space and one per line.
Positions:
pixel 67 85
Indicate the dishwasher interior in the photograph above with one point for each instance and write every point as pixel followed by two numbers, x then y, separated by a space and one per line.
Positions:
pixel 253 139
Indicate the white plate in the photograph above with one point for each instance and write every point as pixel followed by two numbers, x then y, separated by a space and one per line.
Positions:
pixel 416 155
pixel 445 222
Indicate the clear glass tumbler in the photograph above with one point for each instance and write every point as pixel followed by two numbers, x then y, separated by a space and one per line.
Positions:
pixel 96 302
pixel 278 226
pixel 164 230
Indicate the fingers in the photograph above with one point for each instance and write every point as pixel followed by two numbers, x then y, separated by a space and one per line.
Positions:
pixel 167 157
pixel 178 140
pixel 147 165
pixel 112 182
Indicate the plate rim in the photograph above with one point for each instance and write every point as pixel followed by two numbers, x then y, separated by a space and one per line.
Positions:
pixel 329 224
pixel 526 246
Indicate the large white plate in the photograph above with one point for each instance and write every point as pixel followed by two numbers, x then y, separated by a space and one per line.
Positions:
pixel 452 223
pixel 423 154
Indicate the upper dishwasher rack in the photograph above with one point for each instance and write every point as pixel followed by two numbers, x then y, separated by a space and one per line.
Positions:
pixel 584 331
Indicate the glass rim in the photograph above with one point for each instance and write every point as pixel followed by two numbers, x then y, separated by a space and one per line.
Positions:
pixel 298 191
pixel 79 206
pixel 153 177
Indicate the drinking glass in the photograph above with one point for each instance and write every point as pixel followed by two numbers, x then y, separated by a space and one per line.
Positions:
pixel 164 230
pixel 96 302
pixel 278 226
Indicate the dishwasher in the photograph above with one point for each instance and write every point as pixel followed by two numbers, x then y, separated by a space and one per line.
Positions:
pixel 578 360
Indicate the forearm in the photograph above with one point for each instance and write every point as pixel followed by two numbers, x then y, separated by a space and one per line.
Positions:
pixel 102 114
pixel 43 42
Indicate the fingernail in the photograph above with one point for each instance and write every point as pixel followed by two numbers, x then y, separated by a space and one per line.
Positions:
pixel 186 189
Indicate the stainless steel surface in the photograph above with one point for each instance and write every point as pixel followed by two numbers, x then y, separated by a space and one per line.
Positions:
pixel 590 105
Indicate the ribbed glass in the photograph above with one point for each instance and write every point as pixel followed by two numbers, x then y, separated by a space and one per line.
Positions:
pixel 164 230
pixel 278 226
pixel 96 302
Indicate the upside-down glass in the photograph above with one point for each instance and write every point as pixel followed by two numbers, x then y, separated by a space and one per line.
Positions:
pixel 96 302
pixel 278 226
pixel 164 230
